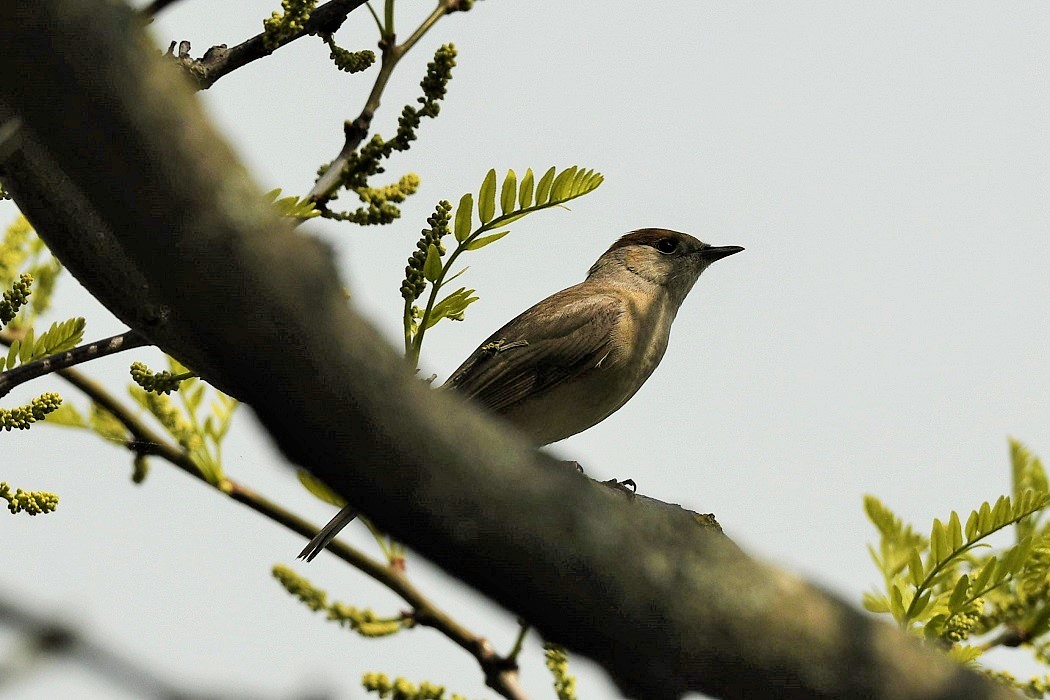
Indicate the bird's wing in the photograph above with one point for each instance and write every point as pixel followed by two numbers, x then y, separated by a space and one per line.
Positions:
pixel 550 343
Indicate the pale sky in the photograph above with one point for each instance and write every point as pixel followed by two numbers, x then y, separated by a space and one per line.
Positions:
pixel 884 164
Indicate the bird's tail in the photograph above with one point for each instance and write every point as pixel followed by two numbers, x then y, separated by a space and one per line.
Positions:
pixel 328 533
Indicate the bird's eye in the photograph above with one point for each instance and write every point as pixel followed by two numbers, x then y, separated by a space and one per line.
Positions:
pixel 667 245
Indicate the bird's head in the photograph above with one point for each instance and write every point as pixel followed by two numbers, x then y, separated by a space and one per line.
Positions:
pixel 670 259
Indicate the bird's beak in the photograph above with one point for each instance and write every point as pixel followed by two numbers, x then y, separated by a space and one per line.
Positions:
pixel 717 253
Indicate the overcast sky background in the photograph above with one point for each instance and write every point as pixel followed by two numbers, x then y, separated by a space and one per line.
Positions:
pixel 884 164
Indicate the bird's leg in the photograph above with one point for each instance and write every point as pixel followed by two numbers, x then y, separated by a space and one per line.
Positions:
pixel 627 486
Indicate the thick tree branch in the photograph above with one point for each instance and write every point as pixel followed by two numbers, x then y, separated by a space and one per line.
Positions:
pixel 664 606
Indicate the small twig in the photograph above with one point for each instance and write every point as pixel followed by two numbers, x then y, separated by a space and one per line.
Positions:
pixel 78 355
pixel 519 641
pixel 219 61
pixel 355 131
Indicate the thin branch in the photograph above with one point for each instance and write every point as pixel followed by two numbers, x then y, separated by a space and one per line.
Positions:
pixel 500 672
pixel 519 641
pixel 219 61
pixel 355 131
pixel 78 355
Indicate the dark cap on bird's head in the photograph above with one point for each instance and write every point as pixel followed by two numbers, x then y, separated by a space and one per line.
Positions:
pixel 671 242
pixel 662 256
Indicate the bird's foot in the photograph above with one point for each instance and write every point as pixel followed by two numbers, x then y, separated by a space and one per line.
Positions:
pixel 627 486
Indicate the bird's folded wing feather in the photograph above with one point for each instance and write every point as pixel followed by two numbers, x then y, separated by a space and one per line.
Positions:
pixel 554 341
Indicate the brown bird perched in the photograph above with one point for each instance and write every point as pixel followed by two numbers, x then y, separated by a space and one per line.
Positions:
pixel 574 358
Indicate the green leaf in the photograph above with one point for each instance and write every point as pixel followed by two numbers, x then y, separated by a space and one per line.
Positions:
pixel 1028 473
pixel 432 265
pixel 955 538
pixel 67 415
pixel 12 354
pixel 543 189
pixel 105 424
pixel 1014 558
pixel 938 544
pixel 487 198
pixel 984 518
pixel 971 526
pixel 876 603
pixel 317 488
pixel 577 181
pixel 525 192
pixel 1000 510
pixel 921 603
pixel 192 393
pixel 915 567
pixel 509 194
pixel 483 241
pixel 958 598
pixel 964 655
pixel 453 306
pixel 562 184
pixel 987 574
pixel 449 279
pixel 896 602
pixel 934 626
pixel 25 353
pixel 464 215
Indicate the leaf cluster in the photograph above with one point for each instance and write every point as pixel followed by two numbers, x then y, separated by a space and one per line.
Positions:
pixel 22 417
pixel 280 26
pixel 367 161
pixel 31 502
pixel 427 265
pixel 59 337
pixel 22 253
pixel 348 61
pixel 954 584
pixel 197 416
pixel 199 430
pixel 557 662
pixel 160 382
pixel 291 206
pixel 365 622
pixel 403 689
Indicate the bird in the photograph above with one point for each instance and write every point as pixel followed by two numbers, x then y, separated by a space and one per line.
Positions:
pixel 573 359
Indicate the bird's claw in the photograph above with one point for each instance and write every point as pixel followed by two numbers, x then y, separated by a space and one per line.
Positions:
pixel 627 486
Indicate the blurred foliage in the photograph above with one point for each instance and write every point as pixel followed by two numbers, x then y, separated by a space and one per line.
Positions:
pixel 403 689
pixel 964 590
pixel 363 621
pixel 557 662
pixel 291 206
